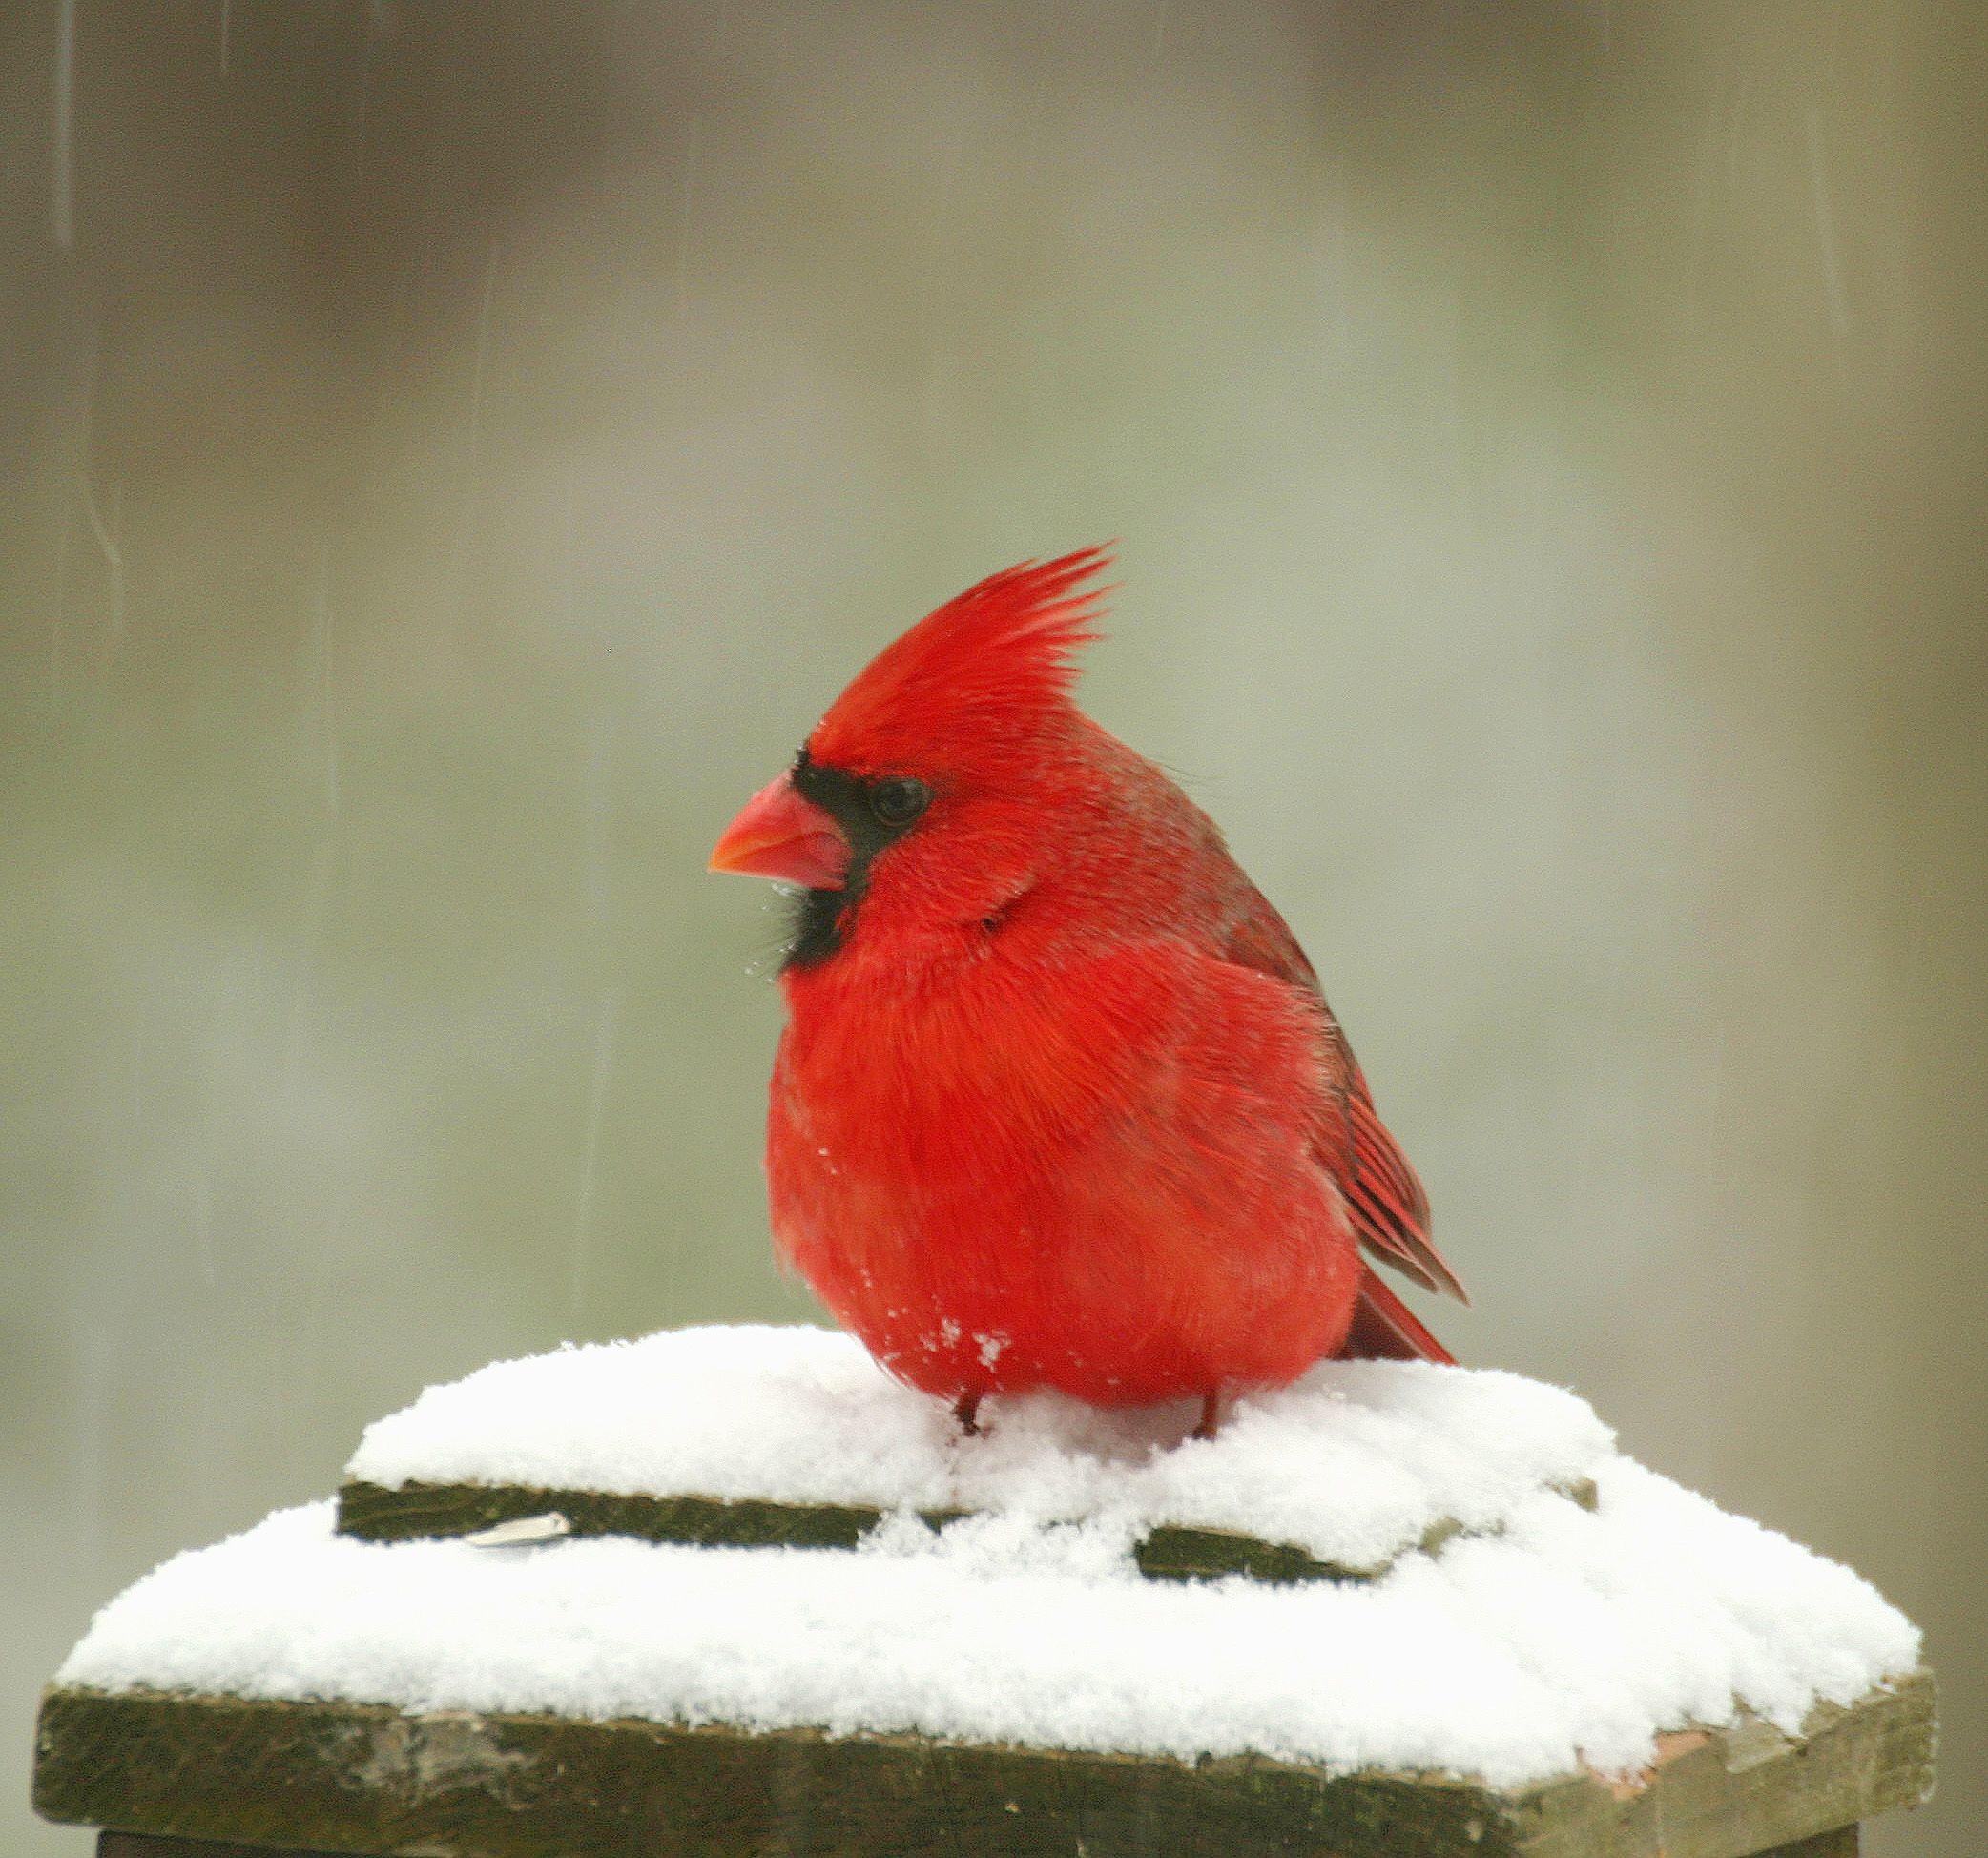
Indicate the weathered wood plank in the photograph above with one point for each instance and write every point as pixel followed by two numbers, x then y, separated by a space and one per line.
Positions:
pixel 1843 1843
pixel 1840 1844
pixel 151 1845
pixel 363 1778
pixel 359 1778
pixel 382 1513
pixel 1747 1789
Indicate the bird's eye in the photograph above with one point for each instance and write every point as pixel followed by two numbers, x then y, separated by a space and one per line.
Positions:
pixel 896 802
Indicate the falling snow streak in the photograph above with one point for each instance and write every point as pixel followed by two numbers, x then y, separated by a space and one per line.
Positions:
pixel 1826 229
pixel 59 609
pixel 473 436
pixel 62 177
pixel 482 367
pixel 77 504
pixel 683 217
pixel 112 549
pixel 600 755
pixel 321 726
pixel 607 1019
pixel 568 559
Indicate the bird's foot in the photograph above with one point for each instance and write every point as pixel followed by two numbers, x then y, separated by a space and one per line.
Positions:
pixel 1210 1420
pixel 966 1410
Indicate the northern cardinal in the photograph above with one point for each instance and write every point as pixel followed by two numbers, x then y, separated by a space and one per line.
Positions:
pixel 1059 1102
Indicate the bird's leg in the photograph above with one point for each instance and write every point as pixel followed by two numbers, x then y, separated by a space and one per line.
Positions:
pixel 1210 1422
pixel 966 1410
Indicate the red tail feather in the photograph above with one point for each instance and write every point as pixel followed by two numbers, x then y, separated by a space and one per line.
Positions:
pixel 1383 1329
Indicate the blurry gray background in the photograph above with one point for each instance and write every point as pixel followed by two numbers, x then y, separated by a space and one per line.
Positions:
pixel 450 453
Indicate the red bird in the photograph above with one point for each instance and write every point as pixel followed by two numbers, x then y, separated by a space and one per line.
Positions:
pixel 1059 1102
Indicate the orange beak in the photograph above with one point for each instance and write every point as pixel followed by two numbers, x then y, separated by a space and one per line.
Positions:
pixel 782 835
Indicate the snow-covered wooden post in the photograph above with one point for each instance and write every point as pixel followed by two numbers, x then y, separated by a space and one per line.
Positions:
pixel 730 1592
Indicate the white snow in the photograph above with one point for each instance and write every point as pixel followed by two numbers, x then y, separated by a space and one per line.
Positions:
pixel 1556 1636
pixel 1354 1463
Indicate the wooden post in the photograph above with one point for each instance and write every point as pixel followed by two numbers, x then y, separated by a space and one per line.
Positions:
pixel 359 1778
pixel 173 1775
pixel 1840 1844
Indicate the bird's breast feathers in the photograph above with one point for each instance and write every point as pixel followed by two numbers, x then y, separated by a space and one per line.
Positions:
pixel 1013 1078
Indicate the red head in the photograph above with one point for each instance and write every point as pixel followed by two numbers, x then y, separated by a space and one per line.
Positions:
pixel 918 774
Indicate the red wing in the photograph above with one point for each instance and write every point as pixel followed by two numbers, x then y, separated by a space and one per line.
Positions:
pixel 1386 1200
pixel 1390 1211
